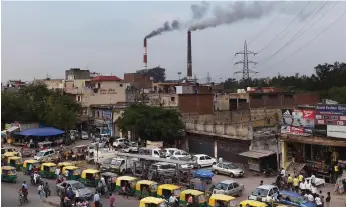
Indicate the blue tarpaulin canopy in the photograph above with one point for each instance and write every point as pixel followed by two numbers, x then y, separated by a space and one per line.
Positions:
pixel 203 174
pixel 41 132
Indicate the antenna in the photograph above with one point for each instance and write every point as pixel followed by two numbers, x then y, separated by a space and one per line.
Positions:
pixel 246 71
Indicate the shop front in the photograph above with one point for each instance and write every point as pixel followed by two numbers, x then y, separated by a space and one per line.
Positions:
pixel 314 155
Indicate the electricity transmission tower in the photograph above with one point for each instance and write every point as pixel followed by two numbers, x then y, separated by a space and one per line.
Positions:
pixel 246 71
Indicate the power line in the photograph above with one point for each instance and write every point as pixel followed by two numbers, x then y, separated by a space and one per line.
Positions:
pixel 309 42
pixel 294 36
pixel 266 27
pixel 277 36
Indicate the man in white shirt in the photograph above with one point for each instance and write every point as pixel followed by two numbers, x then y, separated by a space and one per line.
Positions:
pixel 172 200
pixel 307 186
pixel 57 172
pixel 310 197
pixel 313 189
pixel 96 196
pixel 313 179
pixel 283 172
pixel 318 201
pixel 302 187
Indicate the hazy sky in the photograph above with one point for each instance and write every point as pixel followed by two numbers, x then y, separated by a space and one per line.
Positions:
pixel 40 38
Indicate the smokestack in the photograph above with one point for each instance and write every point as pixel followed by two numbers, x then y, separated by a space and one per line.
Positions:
pixel 189 57
pixel 145 60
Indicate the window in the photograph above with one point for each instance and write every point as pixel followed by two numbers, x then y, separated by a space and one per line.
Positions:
pixel 236 185
pixel 177 153
pixel 201 158
pixel 271 192
pixel 225 166
pixel 78 98
pixel 156 153
pixel 219 165
pixel 276 190
pixel 172 99
pixel 207 158
pixel 230 187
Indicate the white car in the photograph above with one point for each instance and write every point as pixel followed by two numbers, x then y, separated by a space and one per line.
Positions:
pixel 44 154
pixel 176 153
pixel 318 181
pixel 203 160
pixel 228 168
pixel 84 135
pixel 132 147
pixel 120 142
pixel 184 166
pixel 263 192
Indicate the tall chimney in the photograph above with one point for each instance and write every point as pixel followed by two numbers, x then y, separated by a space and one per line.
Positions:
pixel 145 60
pixel 189 57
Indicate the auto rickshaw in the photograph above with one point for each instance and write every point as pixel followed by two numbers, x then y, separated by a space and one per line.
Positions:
pixel 110 179
pixel 16 162
pixel 6 155
pixel 252 203
pixel 8 174
pixel 123 181
pixel 74 172
pixel 145 188
pixel 221 200
pixel 167 190
pixel 152 202
pixel 90 177
pixel 61 165
pixel 27 163
pixel 48 170
pixel 197 196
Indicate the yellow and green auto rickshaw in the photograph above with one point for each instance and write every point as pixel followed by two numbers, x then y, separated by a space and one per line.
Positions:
pixel 126 181
pixel 152 202
pixel 110 179
pixel 61 165
pixel 146 188
pixel 74 173
pixel 8 174
pixel 166 190
pixel 27 163
pixel 90 177
pixel 6 155
pixel 198 198
pixel 252 203
pixel 48 170
pixel 222 200
pixel 16 162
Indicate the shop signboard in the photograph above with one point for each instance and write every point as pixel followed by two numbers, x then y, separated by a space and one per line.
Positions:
pixel 321 130
pixel 330 115
pixel 107 114
pixel 336 131
pixel 298 122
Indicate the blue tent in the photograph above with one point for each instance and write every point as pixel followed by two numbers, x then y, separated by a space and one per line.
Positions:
pixel 41 132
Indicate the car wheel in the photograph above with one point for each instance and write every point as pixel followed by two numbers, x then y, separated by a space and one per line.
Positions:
pixel 240 193
pixel 231 175
pixel 216 172
pixel 199 166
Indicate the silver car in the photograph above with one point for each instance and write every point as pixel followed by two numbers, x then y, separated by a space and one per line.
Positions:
pixel 84 192
pixel 229 187
pixel 228 169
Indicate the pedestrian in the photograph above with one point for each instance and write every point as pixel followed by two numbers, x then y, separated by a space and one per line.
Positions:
pixel 307 186
pixel 313 179
pixel 57 172
pixel 290 181
pixel 46 189
pixel 111 200
pixel 322 197
pixel 66 174
pixel 313 190
pixel 77 197
pixel 328 199
pixel 296 184
pixel 283 172
pixel 172 200
pixel 96 196
pixel 318 201
pixel 220 160
pixel 261 183
pixel 41 191
pixel 301 178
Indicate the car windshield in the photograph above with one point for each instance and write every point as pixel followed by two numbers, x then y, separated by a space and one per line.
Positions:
pixel 116 162
pixel 40 154
pixel 78 186
pixel 171 151
pixel 260 192
pixel 221 186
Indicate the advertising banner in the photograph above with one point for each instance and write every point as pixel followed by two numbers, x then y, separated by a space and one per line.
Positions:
pixel 330 115
pixel 336 131
pixel 321 130
pixel 298 122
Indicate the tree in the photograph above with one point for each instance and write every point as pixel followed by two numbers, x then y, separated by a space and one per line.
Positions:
pixel 158 74
pixel 36 103
pixel 152 123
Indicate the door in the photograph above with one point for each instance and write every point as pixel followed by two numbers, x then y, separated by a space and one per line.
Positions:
pixel 201 146
pixel 231 190
pixel 208 161
pixel 201 161
pixel 229 150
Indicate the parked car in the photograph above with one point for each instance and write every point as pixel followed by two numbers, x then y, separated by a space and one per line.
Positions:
pixel 228 168
pixel 41 155
pixel 164 169
pixel 178 153
pixel 229 187
pixel 203 160
pixel 189 165
pixel 131 147
pixel 84 192
pixel 153 152
pixel 294 199
pixel 118 165
pixel 84 135
pixel 120 142
pixel 318 181
pixel 262 192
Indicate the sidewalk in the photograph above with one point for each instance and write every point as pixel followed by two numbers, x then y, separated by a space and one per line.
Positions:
pixel 53 201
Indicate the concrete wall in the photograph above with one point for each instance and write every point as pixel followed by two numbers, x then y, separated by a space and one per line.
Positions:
pixel 163 100
pixel 110 92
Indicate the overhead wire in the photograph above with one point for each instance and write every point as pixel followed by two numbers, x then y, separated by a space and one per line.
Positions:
pixel 309 42
pixel 296 35
pixel 289 24
pixel 266 27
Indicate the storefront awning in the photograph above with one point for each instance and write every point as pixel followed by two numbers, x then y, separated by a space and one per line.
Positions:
pixel 13 128
pixel 257 153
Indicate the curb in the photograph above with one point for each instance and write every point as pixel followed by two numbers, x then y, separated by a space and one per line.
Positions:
pixel 52 203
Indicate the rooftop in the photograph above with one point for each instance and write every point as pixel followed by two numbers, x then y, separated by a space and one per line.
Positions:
pixel 105 78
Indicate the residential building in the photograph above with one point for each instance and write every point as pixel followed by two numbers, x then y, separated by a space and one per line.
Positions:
pixel 76 73
pixel 52 84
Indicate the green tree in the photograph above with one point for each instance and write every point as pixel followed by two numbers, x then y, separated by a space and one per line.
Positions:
pixel 338 94
pixel 152 123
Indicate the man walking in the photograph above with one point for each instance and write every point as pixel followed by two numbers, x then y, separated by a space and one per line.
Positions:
pixel 328 199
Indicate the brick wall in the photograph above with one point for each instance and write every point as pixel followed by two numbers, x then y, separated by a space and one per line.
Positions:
pixel 142 81
pixel 196 104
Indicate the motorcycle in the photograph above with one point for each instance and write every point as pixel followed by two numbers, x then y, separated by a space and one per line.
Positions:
pixel 21 199
pixel 102 190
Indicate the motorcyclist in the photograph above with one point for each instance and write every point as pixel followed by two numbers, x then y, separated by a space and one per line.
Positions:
pixel 24 191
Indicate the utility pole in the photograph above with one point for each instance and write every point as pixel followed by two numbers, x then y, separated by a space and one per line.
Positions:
pixel 246 71
pixel 208 78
